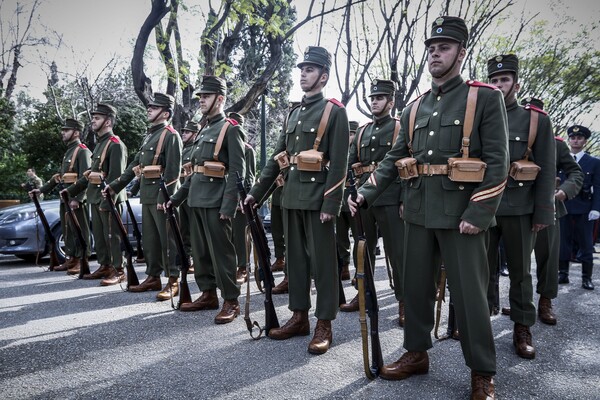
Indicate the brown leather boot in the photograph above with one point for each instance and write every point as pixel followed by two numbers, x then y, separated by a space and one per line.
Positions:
pixel 505 311
pixel 522 341
pixel 345 276
pixel 482 387
pixel 278 265
pixel 282 287
pixel 241 275
pixel 115 277
pixel 350 307
pixel 64 266
pixel 322 339
pixel 230 310
pixel 73 266
pixel 545 311
pixel 172 285
pixel 102 272
pixel 150 283
pixel 411 363
pixel 208 300
pixel 401 314
pixel 298 325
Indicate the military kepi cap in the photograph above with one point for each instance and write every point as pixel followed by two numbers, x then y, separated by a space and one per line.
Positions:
pixel 503 63
pixel 191 126
pixel 105 109
pixel 446 27
pixel 317 56
pixel 382 86
pixel 162 100
pixel 578 130
pixel 353 126
pixel 239 118
pixel 533 101
pixel 212 84
pixel 74 124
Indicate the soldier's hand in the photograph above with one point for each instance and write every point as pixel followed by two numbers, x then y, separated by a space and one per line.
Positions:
pixel 34 192
pixel 224 217
pixel 160 206
pixel 326 217
pixel 560 195
pixel 250 200
pixel 468 228
pixel 593 215
pixel 354 204
pixel 74 204
pixel 538 227
pixel 107 191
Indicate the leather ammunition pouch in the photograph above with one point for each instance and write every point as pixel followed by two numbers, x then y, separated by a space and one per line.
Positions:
pixel 466 169
pixel 523 170
pixel 137 171
pixel 69 177
pixel 214 169
pixel 152 171
pixel 283 159
pixel 187 169
pixel 310 160
pixel 360 169
pixel 95 178
pixel 407 168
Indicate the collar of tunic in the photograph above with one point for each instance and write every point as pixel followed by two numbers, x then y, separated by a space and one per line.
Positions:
pixel 447 86
pixel 306 101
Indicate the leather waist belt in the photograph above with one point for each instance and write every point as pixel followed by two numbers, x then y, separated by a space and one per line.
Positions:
pixel 363 169
pixel 199 169
pixel 429 169
pixel 293 160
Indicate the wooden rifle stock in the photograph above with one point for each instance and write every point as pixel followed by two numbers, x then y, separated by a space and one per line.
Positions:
pixel 184 289
pixel 367 296
pixel 132 279
pixel 261 246
pixel 72 218
pixel 49 236
pixel 136 232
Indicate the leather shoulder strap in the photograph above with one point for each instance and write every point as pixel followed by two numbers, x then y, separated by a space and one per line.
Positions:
pixel 359 138
pixel 411 121
pixel 396 131
pixel 469 118
pixel 103 155
pixel 160 144
pixel 323 124
pixel 533 124
pixel 220 140
pixel 73 158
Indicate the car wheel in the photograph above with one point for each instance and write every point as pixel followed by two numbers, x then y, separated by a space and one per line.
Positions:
pixel 60 243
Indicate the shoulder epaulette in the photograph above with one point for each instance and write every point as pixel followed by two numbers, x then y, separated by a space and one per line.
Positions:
pixel 232 121
pixel 83 146
pixel 534 108
pixel 481 84
pixel 170 129
pixel 559 138
pixel 337 103
pixel 115 139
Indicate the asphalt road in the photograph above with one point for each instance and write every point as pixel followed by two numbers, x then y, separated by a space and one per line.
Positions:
pixel 65 338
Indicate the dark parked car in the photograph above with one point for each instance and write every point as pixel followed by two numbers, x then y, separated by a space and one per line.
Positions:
pixel 22 233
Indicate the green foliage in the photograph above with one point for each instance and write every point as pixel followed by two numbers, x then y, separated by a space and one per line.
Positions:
pixel 12 162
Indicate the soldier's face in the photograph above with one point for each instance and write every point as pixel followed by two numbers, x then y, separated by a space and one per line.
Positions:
pixel 97 122
pixel 380 104
pixel 153 112
pixel 207 100
pixel 66 134
pixel 577 143
pixel 186 135
pixel 309 74
pixel 442 56
pixel 505 81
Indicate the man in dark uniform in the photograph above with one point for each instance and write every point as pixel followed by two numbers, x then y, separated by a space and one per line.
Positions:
pixel 445 218
pixel 577 226
pixel 77 160
pixel 370 146
pixel 345 223
pixel 188 136
pixel 160 153
pixel 311 199
pixel 108 160
pixel 238 224
pixel 547 243
pixel 527 204
pixel 212 194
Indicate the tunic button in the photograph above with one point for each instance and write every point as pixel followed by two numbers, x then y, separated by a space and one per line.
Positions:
pixel 431 133
pixel 362 145
pixel 312 179
pixel 456 122
pixel 142 153
pixel 211 179
pixel 377 128
pixel 372 149
pixel 297 137
pixel 389 143
pixel 520 183
pixel 439 98
pixel 210 140
pixel 461 187
pixel 312 129
pixel 291 168
pixel 416 126
pixel 299 122
pixel 373 162
pixel 151 148
pixel 202 135
pixel 517 138
pixel 373 137
pixel 430 152
pixel 303 108
pixel 435 113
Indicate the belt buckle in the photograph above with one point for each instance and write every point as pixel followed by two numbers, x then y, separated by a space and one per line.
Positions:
pixel 427 171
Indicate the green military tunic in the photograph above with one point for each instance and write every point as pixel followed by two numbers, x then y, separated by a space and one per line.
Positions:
pixel 370 145
pixel 523 204
pixel 208 198
pixel 185 214
pixel 547 244
pixel 82 163
pixel 434 206
pixel 160 250
pixel 309 243
pixel 107 241
pixel 239 221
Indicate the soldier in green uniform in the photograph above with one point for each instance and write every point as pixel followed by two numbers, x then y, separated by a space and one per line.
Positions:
pixel 527 204
pixel 76 161
pixel 445 215
pixel 160 153
pixel 311 199
pixel 212 194
pixel 35 182
pixel 345 223
pixel 108 160
pixel 188 136
pixel 370 146
pixel 238 224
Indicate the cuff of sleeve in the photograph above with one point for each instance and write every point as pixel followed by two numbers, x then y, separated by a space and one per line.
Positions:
pixel 479 215
pixel 331 206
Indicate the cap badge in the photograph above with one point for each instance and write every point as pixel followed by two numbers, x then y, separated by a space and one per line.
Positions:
pixel 498 58
pixel 576 129
pixel 439 21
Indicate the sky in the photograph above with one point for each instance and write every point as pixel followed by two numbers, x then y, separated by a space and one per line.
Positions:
pixel 92 32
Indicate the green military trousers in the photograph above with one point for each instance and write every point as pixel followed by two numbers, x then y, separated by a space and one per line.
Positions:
pixel 238 231
pixel 160 249
pixel 107 239
pixel 344 223
pixel 72 246
pixel 277 230
pixel 465 260
pixel 185 216
pixel 310 251
pixel 547 249
pixel 213 252
pixel 518 245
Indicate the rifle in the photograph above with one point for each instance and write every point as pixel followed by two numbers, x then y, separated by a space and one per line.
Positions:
pixel 367 296
pixel 261 249
pixel 341 295
pixel 136 233
pixel 184 289
pixel 49 236
pixel 64 196
pixel 132 279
